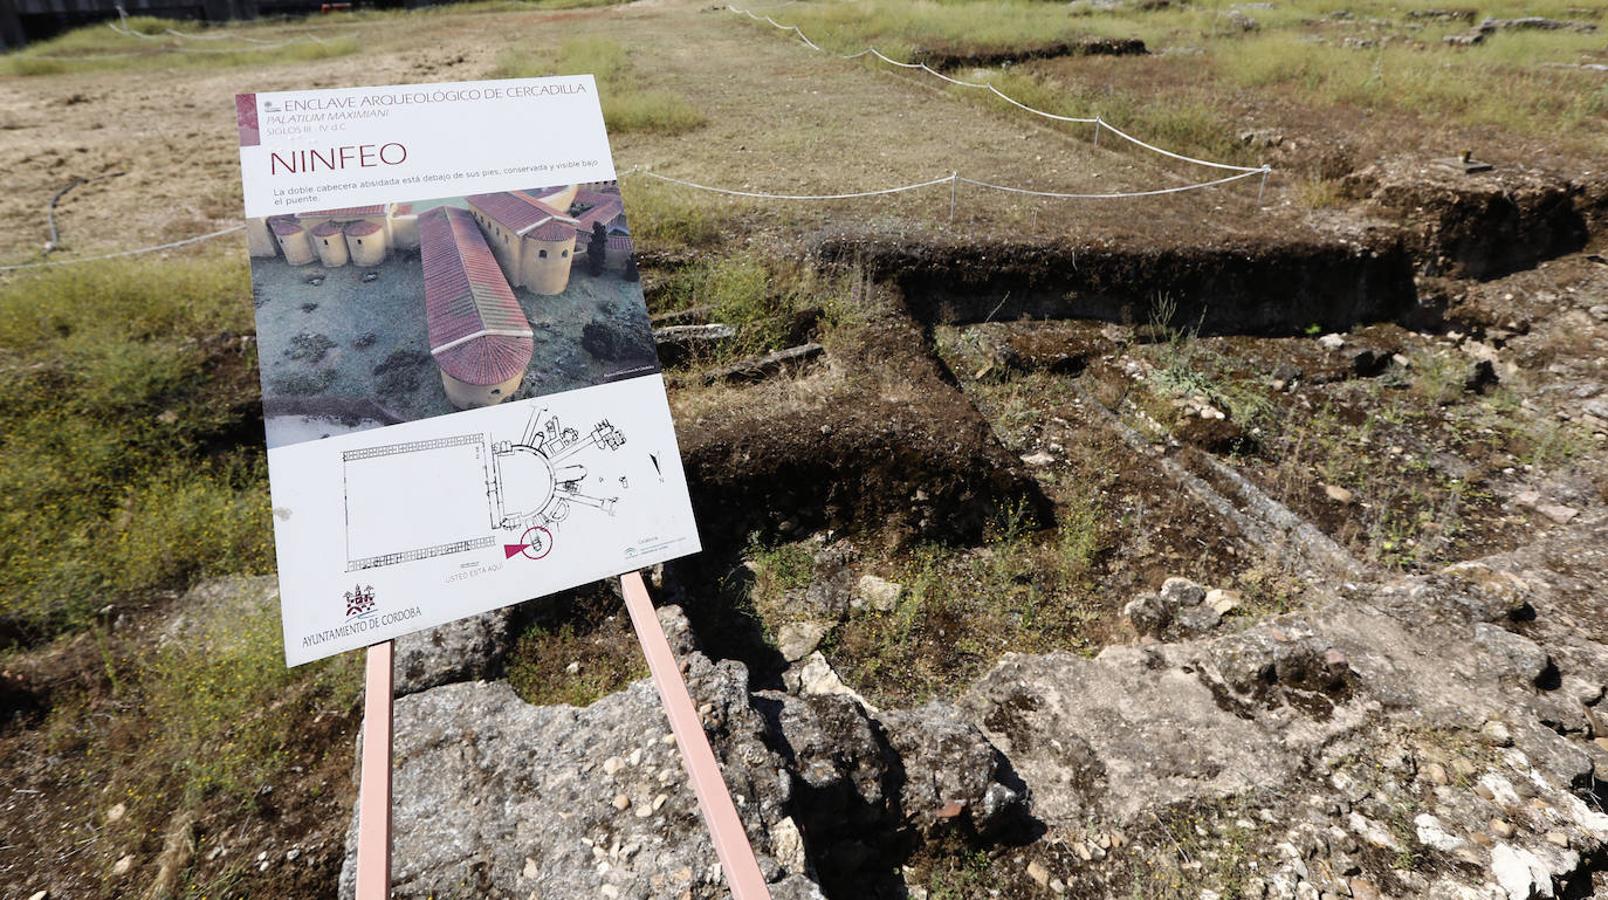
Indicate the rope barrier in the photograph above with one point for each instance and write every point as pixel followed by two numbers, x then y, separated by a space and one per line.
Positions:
pixel 1115 195
pixel 259 45
pixel 121 27
pixel 121 253
pixel 768 196
pixel 1096 121
pixel 954 180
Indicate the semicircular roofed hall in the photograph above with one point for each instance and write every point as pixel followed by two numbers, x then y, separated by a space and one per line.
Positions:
pixel 479 336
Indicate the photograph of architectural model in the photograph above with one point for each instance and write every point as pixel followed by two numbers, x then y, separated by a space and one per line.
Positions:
pixel 376 315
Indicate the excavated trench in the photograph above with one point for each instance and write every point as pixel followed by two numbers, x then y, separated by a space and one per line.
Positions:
pixel 926 465
pixel 948 59
pixel 1269 289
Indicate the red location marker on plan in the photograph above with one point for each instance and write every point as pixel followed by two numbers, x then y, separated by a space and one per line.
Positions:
pixel 535 543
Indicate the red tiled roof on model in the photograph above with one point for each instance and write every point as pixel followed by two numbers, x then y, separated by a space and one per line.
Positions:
pixel 478 333
pixel 360 229
pixel 345 212
pixel 605 207
pixel 552 230
pixel 325 229
pixel 285 226
pixel 516 211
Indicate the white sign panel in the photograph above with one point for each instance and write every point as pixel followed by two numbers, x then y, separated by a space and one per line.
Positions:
pixel 463 402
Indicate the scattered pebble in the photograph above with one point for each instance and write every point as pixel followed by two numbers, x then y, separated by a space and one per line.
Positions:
pixel 1039 873
pixel 1497 733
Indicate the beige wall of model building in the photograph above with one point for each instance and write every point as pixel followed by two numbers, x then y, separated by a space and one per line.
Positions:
pixel 360 235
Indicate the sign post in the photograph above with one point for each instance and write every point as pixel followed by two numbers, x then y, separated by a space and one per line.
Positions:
pixel 703 770
pixel 737 861
pixel 374 788
pixel 463 448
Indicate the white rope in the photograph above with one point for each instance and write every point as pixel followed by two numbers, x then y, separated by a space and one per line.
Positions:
pixel 121 253
pixel 1085 120
pixel 758 195
pixel 954 179
pixel 259 45
pixel 1152 147
pixel 121 27
pixel 1114 195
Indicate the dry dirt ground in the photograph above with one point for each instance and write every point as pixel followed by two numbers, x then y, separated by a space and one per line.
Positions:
pixel 1028 417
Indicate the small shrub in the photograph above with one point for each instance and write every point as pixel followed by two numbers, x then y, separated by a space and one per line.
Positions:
pixel 668 215
pixel 120 407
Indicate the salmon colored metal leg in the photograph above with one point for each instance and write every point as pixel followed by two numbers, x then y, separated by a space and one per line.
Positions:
pixel 374 791
pixel 714 800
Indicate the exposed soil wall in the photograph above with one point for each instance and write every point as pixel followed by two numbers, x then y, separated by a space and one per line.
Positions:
pixel 907 457
pixel 940 58
pixel 1265 289
pixel 1481 225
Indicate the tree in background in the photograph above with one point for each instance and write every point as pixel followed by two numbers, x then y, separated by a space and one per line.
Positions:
pixel 597 253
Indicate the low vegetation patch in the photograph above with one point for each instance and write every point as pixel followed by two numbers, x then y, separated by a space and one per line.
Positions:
pixel 628 104
pixel 899 29
pixel 154 44
pixel 770 304
pixel 587 654
pixel 961 609
pixel 665 217
pixel 129 435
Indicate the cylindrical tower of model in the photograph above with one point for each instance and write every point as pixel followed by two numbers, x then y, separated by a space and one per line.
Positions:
pixel 549 251
pixel 468 395
pixel 294 242
pixel 366 240
pixel 330 243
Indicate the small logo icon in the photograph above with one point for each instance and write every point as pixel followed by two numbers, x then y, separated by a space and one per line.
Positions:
pixel 359 600
pixel 270 106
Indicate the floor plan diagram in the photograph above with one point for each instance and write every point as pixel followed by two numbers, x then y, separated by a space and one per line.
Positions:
pixel 423 499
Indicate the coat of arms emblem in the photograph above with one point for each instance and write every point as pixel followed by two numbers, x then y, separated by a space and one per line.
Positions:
pixel 359 600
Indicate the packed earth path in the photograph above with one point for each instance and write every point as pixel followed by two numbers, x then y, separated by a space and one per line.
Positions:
pixel 779 119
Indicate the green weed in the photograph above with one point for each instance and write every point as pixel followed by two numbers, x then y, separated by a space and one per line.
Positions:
pixel 122 394
pixel 770 305
pixel 221 696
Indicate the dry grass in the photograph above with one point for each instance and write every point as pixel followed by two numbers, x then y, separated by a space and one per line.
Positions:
pixel 627 104
pixel 96 48
pixel 1516 81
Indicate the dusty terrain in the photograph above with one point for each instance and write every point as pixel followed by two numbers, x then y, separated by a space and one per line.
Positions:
pixel 1185 546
